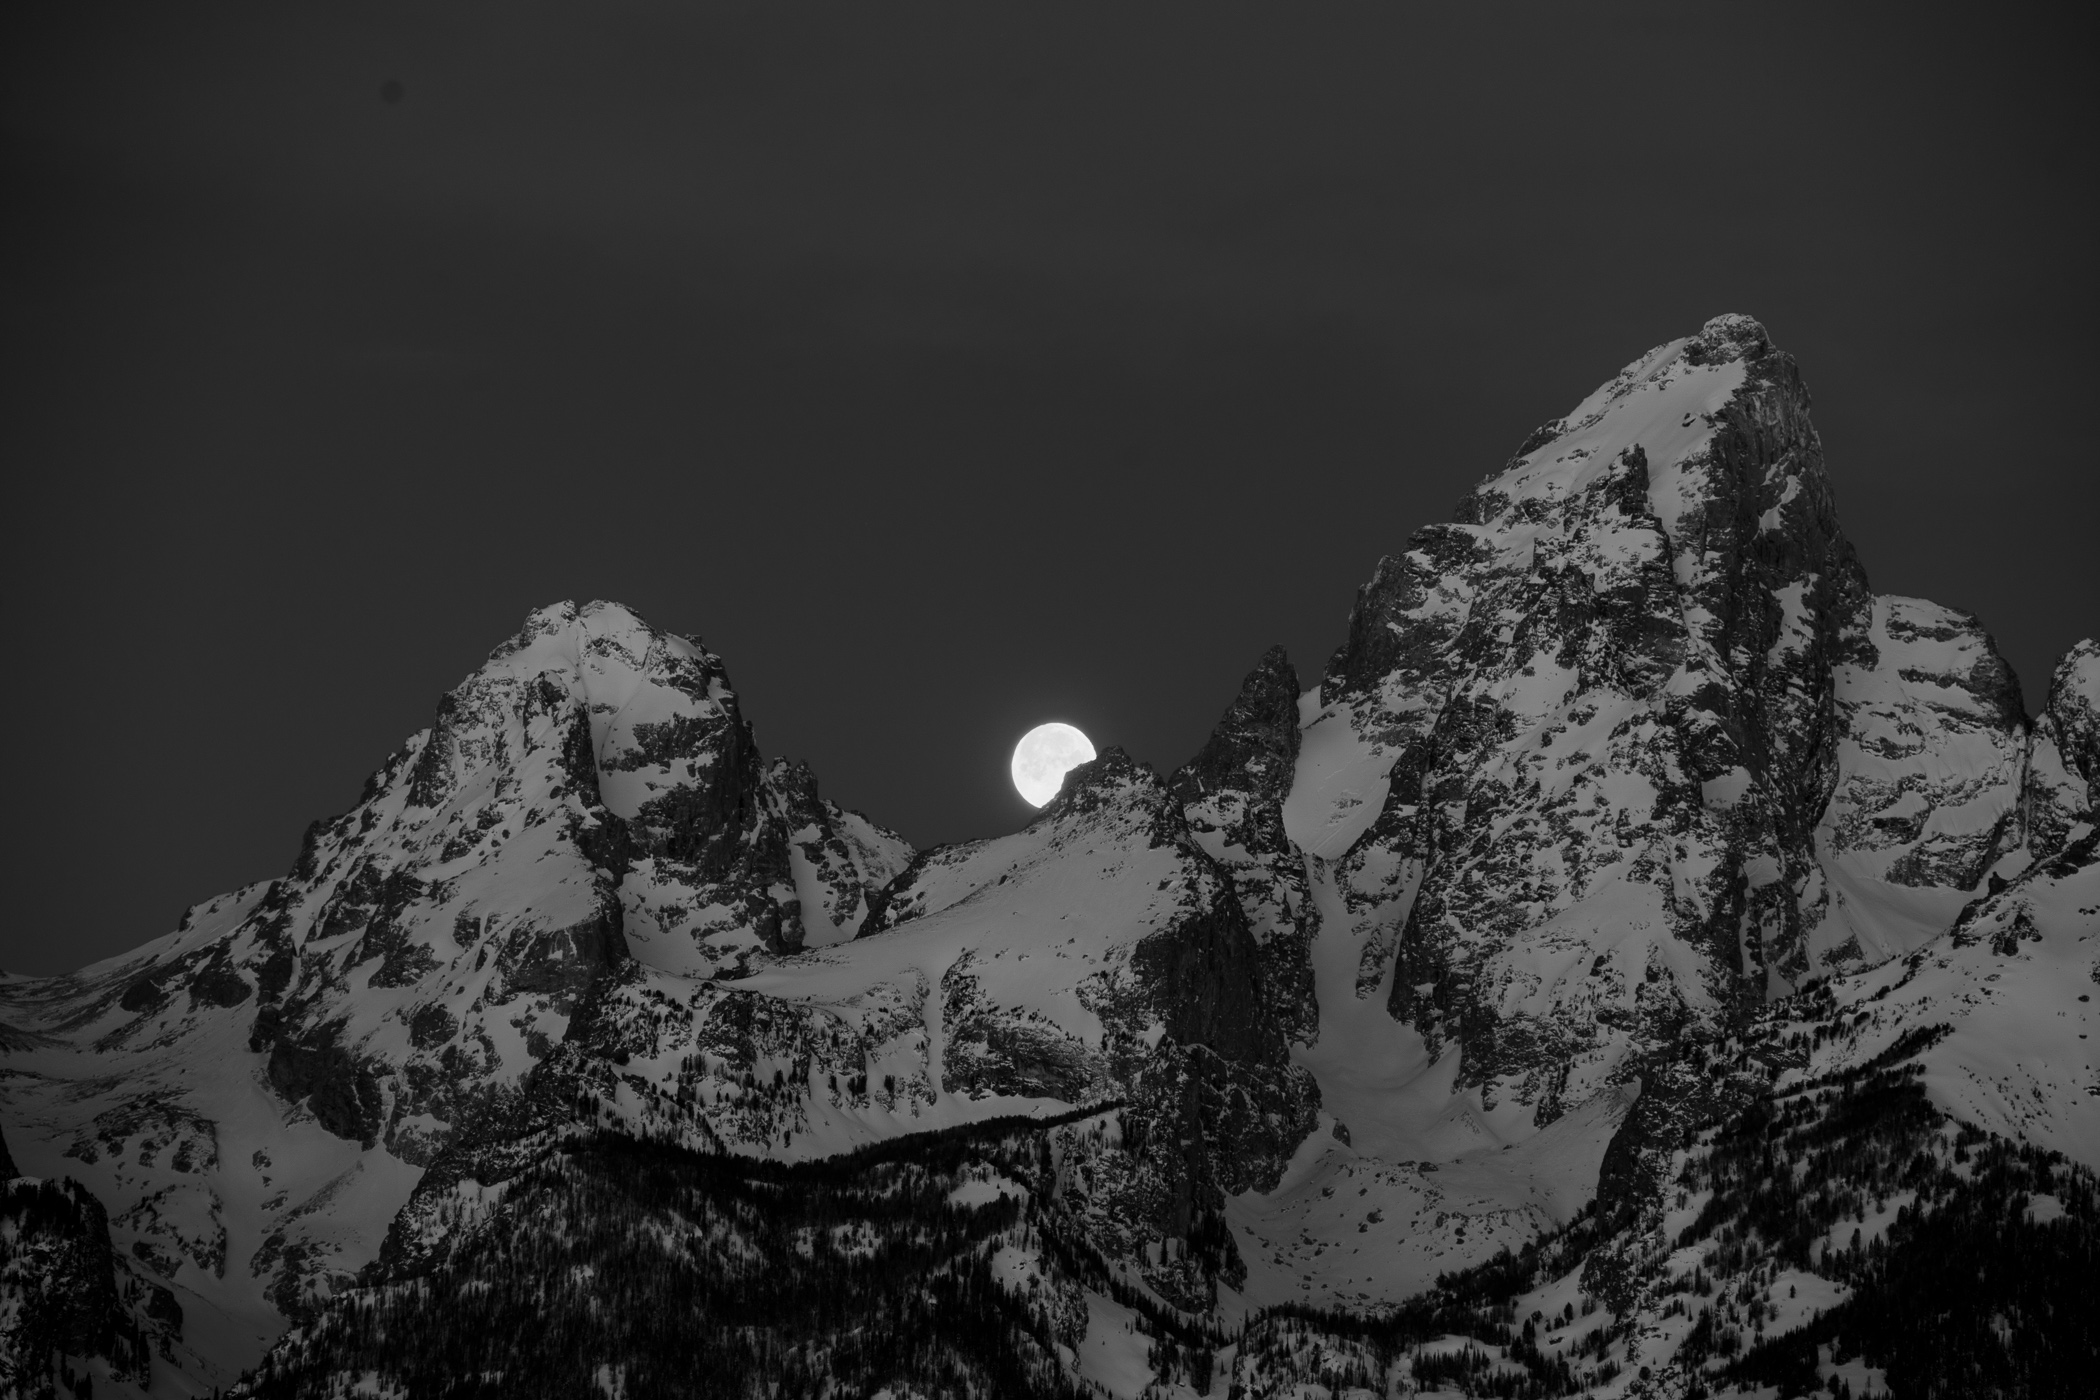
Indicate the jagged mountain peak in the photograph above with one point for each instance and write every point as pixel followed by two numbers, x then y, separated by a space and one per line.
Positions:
pixel 1647 402
pixel 1630 747
pixel 1111 778
pixel 1231 794
pixel 2061 797
pixel 1733 335
pixel 1257 737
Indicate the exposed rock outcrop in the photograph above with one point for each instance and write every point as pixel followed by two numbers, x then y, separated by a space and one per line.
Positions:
pixel 2061 791
pixel 1232 794
pixel 61 1307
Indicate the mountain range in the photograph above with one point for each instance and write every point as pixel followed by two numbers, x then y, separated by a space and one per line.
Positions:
pixel 1646 962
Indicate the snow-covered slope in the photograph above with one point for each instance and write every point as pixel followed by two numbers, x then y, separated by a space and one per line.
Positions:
pixel 2006 1000
pixel 1885 1181
pixel 1097 958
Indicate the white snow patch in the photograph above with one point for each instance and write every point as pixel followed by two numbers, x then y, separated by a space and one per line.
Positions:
pixel 1112 1354
pixel 1340 783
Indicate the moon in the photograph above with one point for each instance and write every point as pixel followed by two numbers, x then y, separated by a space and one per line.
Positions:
pixel 1045 754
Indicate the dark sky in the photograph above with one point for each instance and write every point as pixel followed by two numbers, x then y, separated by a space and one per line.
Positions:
pixel 946 368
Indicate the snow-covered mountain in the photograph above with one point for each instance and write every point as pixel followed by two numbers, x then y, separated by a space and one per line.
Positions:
pixel 256 1094
pixel 1626 814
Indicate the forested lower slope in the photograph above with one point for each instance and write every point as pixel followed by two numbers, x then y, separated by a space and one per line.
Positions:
pixel 937 1265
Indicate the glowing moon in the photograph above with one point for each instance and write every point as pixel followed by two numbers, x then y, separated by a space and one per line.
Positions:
pixel 1045 754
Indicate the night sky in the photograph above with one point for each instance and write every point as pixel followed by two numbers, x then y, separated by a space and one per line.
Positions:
pixel 946 369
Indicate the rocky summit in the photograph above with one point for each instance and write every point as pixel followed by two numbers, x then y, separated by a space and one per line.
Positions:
pixel 1646 962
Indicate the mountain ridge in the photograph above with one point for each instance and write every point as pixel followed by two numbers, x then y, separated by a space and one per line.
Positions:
pixel 1396 972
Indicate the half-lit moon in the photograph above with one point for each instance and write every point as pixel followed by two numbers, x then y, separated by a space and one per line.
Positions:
pixel 1045 754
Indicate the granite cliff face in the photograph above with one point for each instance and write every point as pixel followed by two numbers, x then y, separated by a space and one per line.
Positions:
pixel 1624 799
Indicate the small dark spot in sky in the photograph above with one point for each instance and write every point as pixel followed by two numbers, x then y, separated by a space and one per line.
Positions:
pixel 393 90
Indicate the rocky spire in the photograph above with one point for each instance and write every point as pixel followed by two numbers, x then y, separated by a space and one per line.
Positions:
pixel 2061 787
pixel 1231 794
